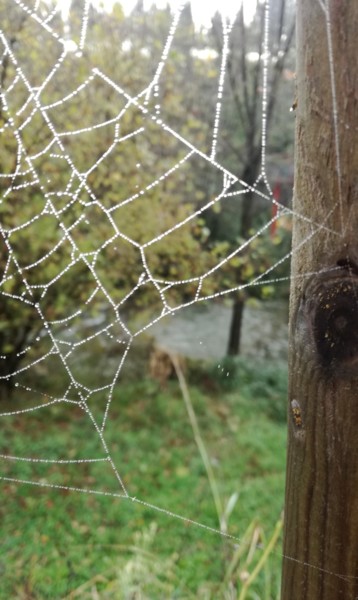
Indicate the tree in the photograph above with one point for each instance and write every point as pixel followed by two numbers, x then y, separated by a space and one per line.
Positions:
pixel 241 138
pixel 77 207
pixel 321 508
pixel 26 228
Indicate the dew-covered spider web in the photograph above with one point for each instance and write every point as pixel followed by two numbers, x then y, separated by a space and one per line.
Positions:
pixel 113 174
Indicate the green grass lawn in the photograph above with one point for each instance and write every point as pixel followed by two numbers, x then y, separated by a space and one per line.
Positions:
pixel 58 543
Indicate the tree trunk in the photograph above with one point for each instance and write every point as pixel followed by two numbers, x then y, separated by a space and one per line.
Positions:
pixel 247 213
pixel 235 327
pixel 321 509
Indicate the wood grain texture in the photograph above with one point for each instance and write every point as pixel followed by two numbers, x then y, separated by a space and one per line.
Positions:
pixel 321 510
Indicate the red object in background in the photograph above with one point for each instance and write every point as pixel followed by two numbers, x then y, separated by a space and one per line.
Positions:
pixel 276 195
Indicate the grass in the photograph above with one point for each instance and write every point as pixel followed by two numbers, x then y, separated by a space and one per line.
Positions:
pixel 61 544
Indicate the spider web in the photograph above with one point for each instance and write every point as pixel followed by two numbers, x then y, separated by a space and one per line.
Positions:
pixel 60 345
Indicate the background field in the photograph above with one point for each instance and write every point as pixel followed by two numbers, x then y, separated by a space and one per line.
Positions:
pixel 61 544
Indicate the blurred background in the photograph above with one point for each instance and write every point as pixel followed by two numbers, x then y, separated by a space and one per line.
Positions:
pixel 146 189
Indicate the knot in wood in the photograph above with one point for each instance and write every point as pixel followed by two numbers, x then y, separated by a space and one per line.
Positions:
pixel 331 309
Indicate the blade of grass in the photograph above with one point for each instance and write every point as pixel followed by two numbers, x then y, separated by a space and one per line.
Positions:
pixel 262 561
pixel 238 554
pixel 199 442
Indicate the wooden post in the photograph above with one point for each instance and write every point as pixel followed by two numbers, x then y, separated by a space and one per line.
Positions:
pixel 321 511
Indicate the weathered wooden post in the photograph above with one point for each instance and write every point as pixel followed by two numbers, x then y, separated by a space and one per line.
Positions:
pixel 321 512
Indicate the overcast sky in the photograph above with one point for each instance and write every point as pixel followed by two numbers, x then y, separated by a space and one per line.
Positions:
pixel 202 10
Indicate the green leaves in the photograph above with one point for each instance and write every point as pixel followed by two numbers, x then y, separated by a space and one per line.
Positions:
pixel 108 187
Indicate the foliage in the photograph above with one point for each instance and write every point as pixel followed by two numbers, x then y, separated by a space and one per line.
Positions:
pixel 81 205
pixel 136 573
pixel 247 119
pixel 139 573
pixel 264 383
pixel 55 542
pixel 55 232
pixel 75 211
